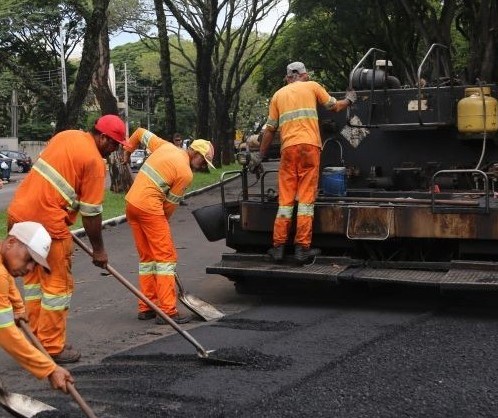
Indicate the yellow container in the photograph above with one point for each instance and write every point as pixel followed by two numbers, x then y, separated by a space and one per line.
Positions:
pixel 471 113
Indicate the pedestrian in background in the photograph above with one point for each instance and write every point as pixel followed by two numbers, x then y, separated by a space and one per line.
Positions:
pixel 293 110
pixel 156 191
pixel 177 139
pixel 68 178
pixel 26 245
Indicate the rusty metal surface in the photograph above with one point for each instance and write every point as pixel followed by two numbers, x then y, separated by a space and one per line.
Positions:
pixel 402 220
pixel 370 223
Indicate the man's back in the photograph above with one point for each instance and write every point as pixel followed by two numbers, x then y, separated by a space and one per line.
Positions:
pixel 293 109
pixel 71 160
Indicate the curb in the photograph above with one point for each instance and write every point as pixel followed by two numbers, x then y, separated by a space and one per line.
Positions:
pixel 122 218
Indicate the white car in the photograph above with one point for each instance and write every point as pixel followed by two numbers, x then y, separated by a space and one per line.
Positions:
pixel 137 158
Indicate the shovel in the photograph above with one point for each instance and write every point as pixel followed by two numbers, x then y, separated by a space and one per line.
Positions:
pixel 198 306
pixel 70 387
pixel 201 352
pixel 21 405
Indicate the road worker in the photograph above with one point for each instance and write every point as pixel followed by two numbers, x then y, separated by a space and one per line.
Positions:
pixel 293 110
pixel 67 178
pixel 26 245
pixel 156 192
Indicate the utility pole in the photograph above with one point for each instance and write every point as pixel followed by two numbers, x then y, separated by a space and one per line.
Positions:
pixel 148 108
pixel 63 68
pixel 126 100
pixel 13 113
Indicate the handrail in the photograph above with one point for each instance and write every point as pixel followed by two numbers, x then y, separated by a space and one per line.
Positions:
pixel 461 171
pixel 419 81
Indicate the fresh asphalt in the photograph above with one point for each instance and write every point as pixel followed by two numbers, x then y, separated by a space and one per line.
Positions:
pixel 341 352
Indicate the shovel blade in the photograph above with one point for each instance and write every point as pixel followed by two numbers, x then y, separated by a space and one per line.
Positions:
pixel 205 310
pixel 21 405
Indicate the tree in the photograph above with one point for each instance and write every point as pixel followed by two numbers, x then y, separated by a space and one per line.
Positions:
pixel 238 51
pixel 164 66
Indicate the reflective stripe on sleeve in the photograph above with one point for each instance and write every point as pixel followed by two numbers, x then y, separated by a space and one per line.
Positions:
pixel 272 122
pixel 6 317
pixel 173 198
pixel 146 137
pixel 88 209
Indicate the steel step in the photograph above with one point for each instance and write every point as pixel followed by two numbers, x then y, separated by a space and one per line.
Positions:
pixel 457 274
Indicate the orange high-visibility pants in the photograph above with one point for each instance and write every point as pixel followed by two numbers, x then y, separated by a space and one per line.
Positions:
pixel 48 296
pixel 297 180
pixel 157 255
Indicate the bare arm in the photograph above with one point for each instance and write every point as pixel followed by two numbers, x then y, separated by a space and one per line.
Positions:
pixel 93 228
pixel 341 105
pixel 266 142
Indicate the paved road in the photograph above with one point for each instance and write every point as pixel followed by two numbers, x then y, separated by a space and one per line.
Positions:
pixel 8 189
pixel 343 352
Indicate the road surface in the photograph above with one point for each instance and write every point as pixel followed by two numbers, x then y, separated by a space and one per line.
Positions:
pixel 389 351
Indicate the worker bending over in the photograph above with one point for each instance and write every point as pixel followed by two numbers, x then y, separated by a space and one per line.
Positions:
pixel 67 178
pixel 156 192
pixel 26 245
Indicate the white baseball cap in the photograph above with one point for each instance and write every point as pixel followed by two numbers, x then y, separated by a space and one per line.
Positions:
pixel 36 239
pixel 296 68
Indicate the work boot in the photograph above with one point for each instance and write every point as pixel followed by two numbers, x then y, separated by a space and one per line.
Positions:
pixel 179 319
pixel 276 253
pixel 304 255
pixel 144 316
pixel 67 356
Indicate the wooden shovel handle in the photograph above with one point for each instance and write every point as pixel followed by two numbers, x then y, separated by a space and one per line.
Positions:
pixel 70 387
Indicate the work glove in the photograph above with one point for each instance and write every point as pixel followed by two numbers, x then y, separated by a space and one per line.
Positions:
pixel 351 96
pixel 254 165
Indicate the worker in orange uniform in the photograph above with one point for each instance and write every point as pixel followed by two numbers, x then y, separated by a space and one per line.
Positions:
pixel 293 110
pixel 67 178
pixel 156 192
pixel 26 245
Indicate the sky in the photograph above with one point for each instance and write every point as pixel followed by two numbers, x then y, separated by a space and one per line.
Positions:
pixel 265 26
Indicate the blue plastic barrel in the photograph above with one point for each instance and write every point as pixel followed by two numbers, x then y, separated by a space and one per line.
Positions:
pixel 334 181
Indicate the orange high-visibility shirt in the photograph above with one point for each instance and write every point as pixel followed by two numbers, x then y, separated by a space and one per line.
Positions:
pixel 293 110
pixel 161 181
pixel 70 164
pixel 12 339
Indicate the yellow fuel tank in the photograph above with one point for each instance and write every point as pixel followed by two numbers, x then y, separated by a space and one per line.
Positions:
pixel 471 112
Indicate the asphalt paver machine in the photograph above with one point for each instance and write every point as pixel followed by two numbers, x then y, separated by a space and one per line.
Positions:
pixel 407 190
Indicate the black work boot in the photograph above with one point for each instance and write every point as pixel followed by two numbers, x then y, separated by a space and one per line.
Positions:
pixel 304 255
pixel 276 253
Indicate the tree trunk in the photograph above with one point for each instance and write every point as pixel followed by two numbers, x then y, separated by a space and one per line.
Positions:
pixel 67 117
pixel 121 178
pixel 164 67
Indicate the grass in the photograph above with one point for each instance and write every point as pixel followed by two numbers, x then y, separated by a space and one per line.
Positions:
pixel 114 203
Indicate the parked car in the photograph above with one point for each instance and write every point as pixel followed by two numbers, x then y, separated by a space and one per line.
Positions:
pixel 22 161
pixel 137 158
pixel 5 167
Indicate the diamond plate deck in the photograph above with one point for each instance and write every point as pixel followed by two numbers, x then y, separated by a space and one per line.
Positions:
pixel 337 269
